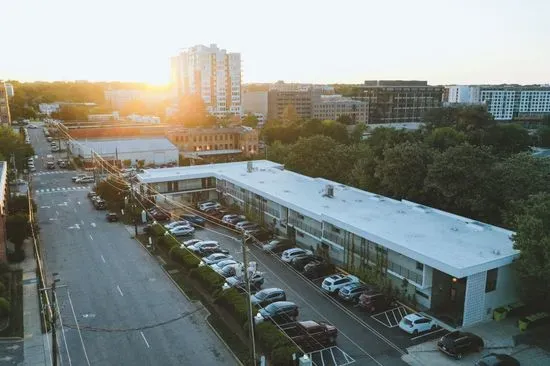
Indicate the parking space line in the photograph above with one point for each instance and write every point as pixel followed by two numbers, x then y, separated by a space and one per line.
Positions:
pixel 395 318
pixel 425 334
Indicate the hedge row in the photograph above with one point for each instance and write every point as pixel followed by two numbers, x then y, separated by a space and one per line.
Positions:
pixel 158 230
pixel 235 303
pixel 208 278
pixel 184 257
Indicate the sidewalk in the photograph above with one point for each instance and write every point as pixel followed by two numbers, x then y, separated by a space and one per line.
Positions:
pixel 36 345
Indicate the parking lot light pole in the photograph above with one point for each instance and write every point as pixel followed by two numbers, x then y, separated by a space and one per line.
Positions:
pixel 250 314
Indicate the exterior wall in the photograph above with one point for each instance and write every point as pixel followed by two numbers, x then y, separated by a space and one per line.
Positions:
pixel 213 74
pixel 255 102
pixel 474 303
pixel 201 140
pixel 506 291
pixel 332 107
pixel 5 117
pixel 302 100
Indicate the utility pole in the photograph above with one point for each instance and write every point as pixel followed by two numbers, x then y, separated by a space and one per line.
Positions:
pixel 93 167
pixel 250 314
pixel 133 212
pixel 54 321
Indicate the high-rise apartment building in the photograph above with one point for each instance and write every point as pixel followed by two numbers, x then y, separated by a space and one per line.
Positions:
pixel 399 101
pixel 504 102
pixel 212 73
pixel 5 118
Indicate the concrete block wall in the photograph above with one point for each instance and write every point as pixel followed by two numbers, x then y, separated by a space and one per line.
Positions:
pixel 474 302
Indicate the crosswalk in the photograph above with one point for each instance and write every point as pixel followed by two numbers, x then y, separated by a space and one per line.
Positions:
pixel 51 172
pixel 61 189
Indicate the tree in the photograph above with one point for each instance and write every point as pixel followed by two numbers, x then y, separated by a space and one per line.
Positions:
pixel 383 138
pixel 463 118
pixel 362 174
pixel 250 120
pixel 278 152
pixel 403 170
pixel 72 113
pixel 543 135
pixel 18 228
pixel 290 114
pixel 357 133
pixel 532 239
pixel 113 191
pixel 507 139
pixel 442 138
pixel 458 177
pixel 345 119
pixel 13 142
pixel 440 117
pixel 20 204
pixel 191 112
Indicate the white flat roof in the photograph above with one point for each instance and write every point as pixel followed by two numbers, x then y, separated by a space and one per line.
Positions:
pixel 111 146
pixel 450 243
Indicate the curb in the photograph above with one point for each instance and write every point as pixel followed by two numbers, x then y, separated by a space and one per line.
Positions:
pixel 192 301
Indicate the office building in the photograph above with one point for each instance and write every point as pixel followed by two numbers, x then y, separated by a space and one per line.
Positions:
pixel 255 102
pixel 399 101
pixel 453 266
pixel 504 102
pixel 114 116
pixel 9 90
pixel 280 99
pixel 207 142
pixel 212 73
pixel 334 106
pixel 5 117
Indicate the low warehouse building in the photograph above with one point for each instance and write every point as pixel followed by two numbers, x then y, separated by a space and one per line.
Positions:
pixel 156 151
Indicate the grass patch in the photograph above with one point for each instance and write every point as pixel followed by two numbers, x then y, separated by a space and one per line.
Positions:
pixel 15 327
pixel 241 350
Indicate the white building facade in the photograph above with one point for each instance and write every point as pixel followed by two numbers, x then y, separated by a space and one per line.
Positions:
pixel 504 103
pixel 212 73
pixel 453 266
pixel 333 106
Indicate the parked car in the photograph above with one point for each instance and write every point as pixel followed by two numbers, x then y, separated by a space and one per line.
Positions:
pixel 190 242
pixel 241 224
pixel 100 204
pixel 375 301
pixel 196 247
pixel 497 359
pixel 235 220
pixel 111 216
pixel 256 281
pixel 278 245
pixel 267 296
pixel 195 220
pixel 353 291
pixel 210 204
pixel 228 217
pixel 182 230
pixel 334 283
pixel 219 265
pixel 257 236
pixel 300 262
pixel 280 312
pixel 92 195
pixel 50 165
pixel 311 335
pixel 318 269
pixel 289 254
pixel 230 270
pixel 160 215
pixel 457 343
pixel 215 258
pixel 74 179
pixel 417 323
pixel 174 224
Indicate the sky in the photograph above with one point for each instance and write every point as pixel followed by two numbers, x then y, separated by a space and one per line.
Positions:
pixel 346 41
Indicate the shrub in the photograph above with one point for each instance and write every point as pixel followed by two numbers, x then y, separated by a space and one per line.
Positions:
pixel 4 307
pixel 184 257
pixel 270 337
pixel 168 242
pixel 209 279
pixel 282 356
pixel 2 288
pixel 157 230
pixel 235 303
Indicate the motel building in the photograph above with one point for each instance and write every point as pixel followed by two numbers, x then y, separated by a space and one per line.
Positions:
pixel 458 269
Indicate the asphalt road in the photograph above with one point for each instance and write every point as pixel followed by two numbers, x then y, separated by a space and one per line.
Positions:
pixel 128 311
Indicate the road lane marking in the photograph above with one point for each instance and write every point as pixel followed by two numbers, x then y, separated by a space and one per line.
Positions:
pixel 74 209
pixel 103 259
pixel 93 224
pixel 91 237
pixel 82 222
pixel 78 202
pixel 144 339
pixel 119 290
pixel 78 328
pixel 44 206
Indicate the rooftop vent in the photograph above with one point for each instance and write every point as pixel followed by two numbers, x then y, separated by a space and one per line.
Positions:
pixel 496 252
pixel 249 167
pixel 328 191
pixel 376 197
pixel 476 226
pixel 454 228
pixel 358 201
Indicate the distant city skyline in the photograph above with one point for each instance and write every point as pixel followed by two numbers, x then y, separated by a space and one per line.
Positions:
pixel 444 42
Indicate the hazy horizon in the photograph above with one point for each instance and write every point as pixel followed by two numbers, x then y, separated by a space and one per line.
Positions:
pixel 443 42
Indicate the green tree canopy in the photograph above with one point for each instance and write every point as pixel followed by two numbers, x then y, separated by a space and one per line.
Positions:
pixel 442 138
pixel 532 239
pixel 507 139
pixel 13 142
pixel 250 120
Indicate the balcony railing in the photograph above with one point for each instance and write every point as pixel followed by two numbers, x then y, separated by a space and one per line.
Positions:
pixel 307 228
pixel 405 272
pixel 333 237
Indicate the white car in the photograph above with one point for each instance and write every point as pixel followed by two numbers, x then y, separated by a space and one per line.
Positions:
pixel 176 224
pixel 190 242
pixel 417 323
pixel 182 230
pixel 208 205
pixel 226 262
pixel 195 247
pixel 85 180
pixel 335 282
pixel 215 258
pixel 289 254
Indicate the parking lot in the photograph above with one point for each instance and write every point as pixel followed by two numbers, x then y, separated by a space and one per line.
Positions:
pixel 363 337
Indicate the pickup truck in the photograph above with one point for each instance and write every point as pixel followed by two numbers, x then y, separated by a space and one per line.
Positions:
pixel 311 335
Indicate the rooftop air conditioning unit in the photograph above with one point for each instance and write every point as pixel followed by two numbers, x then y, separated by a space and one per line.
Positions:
pixel 329 191
pixel 249 167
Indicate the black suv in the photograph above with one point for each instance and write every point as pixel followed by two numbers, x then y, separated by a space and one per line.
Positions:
pixel 317 269
pixel 278 312
pixel 456 344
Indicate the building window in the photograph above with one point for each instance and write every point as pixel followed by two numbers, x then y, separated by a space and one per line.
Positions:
pixel 301 217
pixel 491 281
pixel 419 266
pixel 299 234
pixel 336 230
